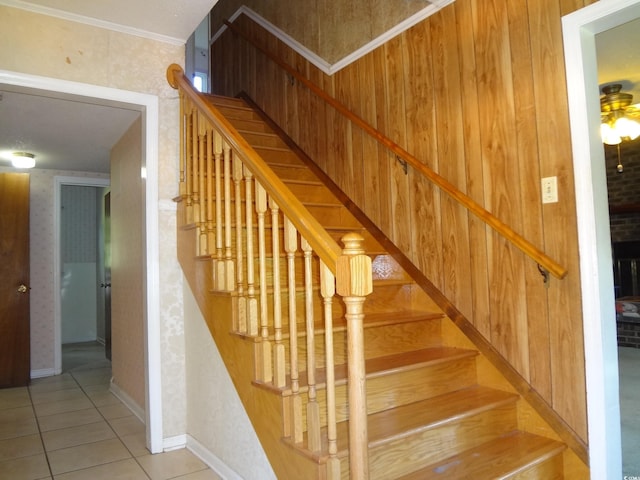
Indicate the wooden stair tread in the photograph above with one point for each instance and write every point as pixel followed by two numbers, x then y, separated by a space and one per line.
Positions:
pixel 503 457
pixel 393 318
pixel 396 423
pixel 380 366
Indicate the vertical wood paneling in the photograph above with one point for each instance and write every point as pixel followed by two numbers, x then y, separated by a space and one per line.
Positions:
pixel 527 150
pixel 396 129
pixel 385 158
pixel 477 92
pixel 451 161
pixel 372 176
pixel 559 221
pixel 499 155
pixel 474 169
pixel 421 138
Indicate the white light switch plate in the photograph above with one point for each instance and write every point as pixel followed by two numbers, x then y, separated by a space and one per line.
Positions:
pixel 549 189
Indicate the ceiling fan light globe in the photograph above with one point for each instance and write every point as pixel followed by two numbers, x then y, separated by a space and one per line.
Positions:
pixel 627 128
pixel 609 135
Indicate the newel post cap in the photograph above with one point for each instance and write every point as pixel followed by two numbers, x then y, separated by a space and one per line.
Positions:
pixel 354 277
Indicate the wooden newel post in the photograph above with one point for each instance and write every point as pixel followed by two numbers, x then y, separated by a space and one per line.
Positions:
pixel 354 281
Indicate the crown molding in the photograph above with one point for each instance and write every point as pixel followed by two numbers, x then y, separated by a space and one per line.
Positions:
pixel 321 63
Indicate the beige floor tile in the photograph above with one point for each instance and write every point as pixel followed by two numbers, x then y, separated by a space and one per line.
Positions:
pixel 63 406
pixel 18 428
pixel 136 444
pixel 14 398
pixel 121 470
pixel 25 446
pixel 92 390
pixel 102 399
pixel 114 411
pixel 69 419
pixel 88 455
pixel 173 464
pixel 201 475
pixel 73 436
pixel 50 384
pixel 127 426
pixel 101 376
pixel 57 395
pixel 26 468
pixel 16 414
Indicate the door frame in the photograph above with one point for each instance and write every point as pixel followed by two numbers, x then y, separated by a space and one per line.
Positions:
pixel 148 105
pixel 58 183
pixel 594 239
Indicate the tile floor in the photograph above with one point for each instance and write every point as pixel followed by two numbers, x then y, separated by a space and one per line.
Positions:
pixel 70 427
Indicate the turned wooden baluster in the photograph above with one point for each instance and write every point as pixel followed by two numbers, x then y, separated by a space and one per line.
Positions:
pixel 328 291
pixel 265 372
pixel 241 310
pixel 354 281
pixel 279 369
pixel 195 171
pixel 252 301
pixel 218 261
pixel 313 409
pixel 291 247
pixel 203 125
pixel 229 266
pixel 182 188
pixel 210 194
pixel 189 165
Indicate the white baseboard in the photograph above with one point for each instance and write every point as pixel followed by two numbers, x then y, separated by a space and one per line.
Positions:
pixel 124 397
pixel 217 465
pixel 174 443
pixel 44 372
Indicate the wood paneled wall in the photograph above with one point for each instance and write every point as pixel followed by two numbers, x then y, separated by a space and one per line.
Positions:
pixel 477 92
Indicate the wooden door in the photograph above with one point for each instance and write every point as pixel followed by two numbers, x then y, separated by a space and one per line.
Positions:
pixel 107 275
pixel 14 280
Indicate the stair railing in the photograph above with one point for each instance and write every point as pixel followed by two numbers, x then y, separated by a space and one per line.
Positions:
pixel 545 263
pixel 220 173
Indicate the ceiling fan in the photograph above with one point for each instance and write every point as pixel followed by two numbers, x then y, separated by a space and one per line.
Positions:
pixel 617 112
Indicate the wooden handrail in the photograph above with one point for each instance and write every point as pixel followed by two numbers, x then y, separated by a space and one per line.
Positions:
pixel 541 258
pixel 321 242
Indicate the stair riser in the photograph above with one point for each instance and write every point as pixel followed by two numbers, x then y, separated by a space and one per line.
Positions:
pixel 293 173
pixel 278 156
pixel 269 140
pixel 551 469
pixel 402 388
pixel 338 309
pixel 251 125
pixel 378 341
pixel 405 455
pixel 237 112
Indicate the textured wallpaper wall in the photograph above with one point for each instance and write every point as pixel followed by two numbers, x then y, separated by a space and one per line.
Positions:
pixel 215 415
pixel 61 49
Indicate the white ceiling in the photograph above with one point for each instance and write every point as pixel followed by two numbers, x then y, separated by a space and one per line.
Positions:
pixel 619 57
pixel 77 134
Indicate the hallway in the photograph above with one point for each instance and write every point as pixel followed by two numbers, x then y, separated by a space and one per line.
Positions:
pixel 70 427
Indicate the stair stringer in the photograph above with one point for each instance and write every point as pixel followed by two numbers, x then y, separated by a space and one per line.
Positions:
pixel 263 409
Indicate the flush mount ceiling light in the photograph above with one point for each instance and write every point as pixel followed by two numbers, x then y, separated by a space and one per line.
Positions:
pixel 23 160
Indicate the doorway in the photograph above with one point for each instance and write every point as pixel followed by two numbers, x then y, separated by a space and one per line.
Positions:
pixel 598 305
pixel 80 249
pixel 148 106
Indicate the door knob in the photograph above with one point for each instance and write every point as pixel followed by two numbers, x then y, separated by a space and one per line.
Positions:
pixel 22 288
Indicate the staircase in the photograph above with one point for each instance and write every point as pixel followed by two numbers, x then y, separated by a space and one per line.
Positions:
pixel 435 407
